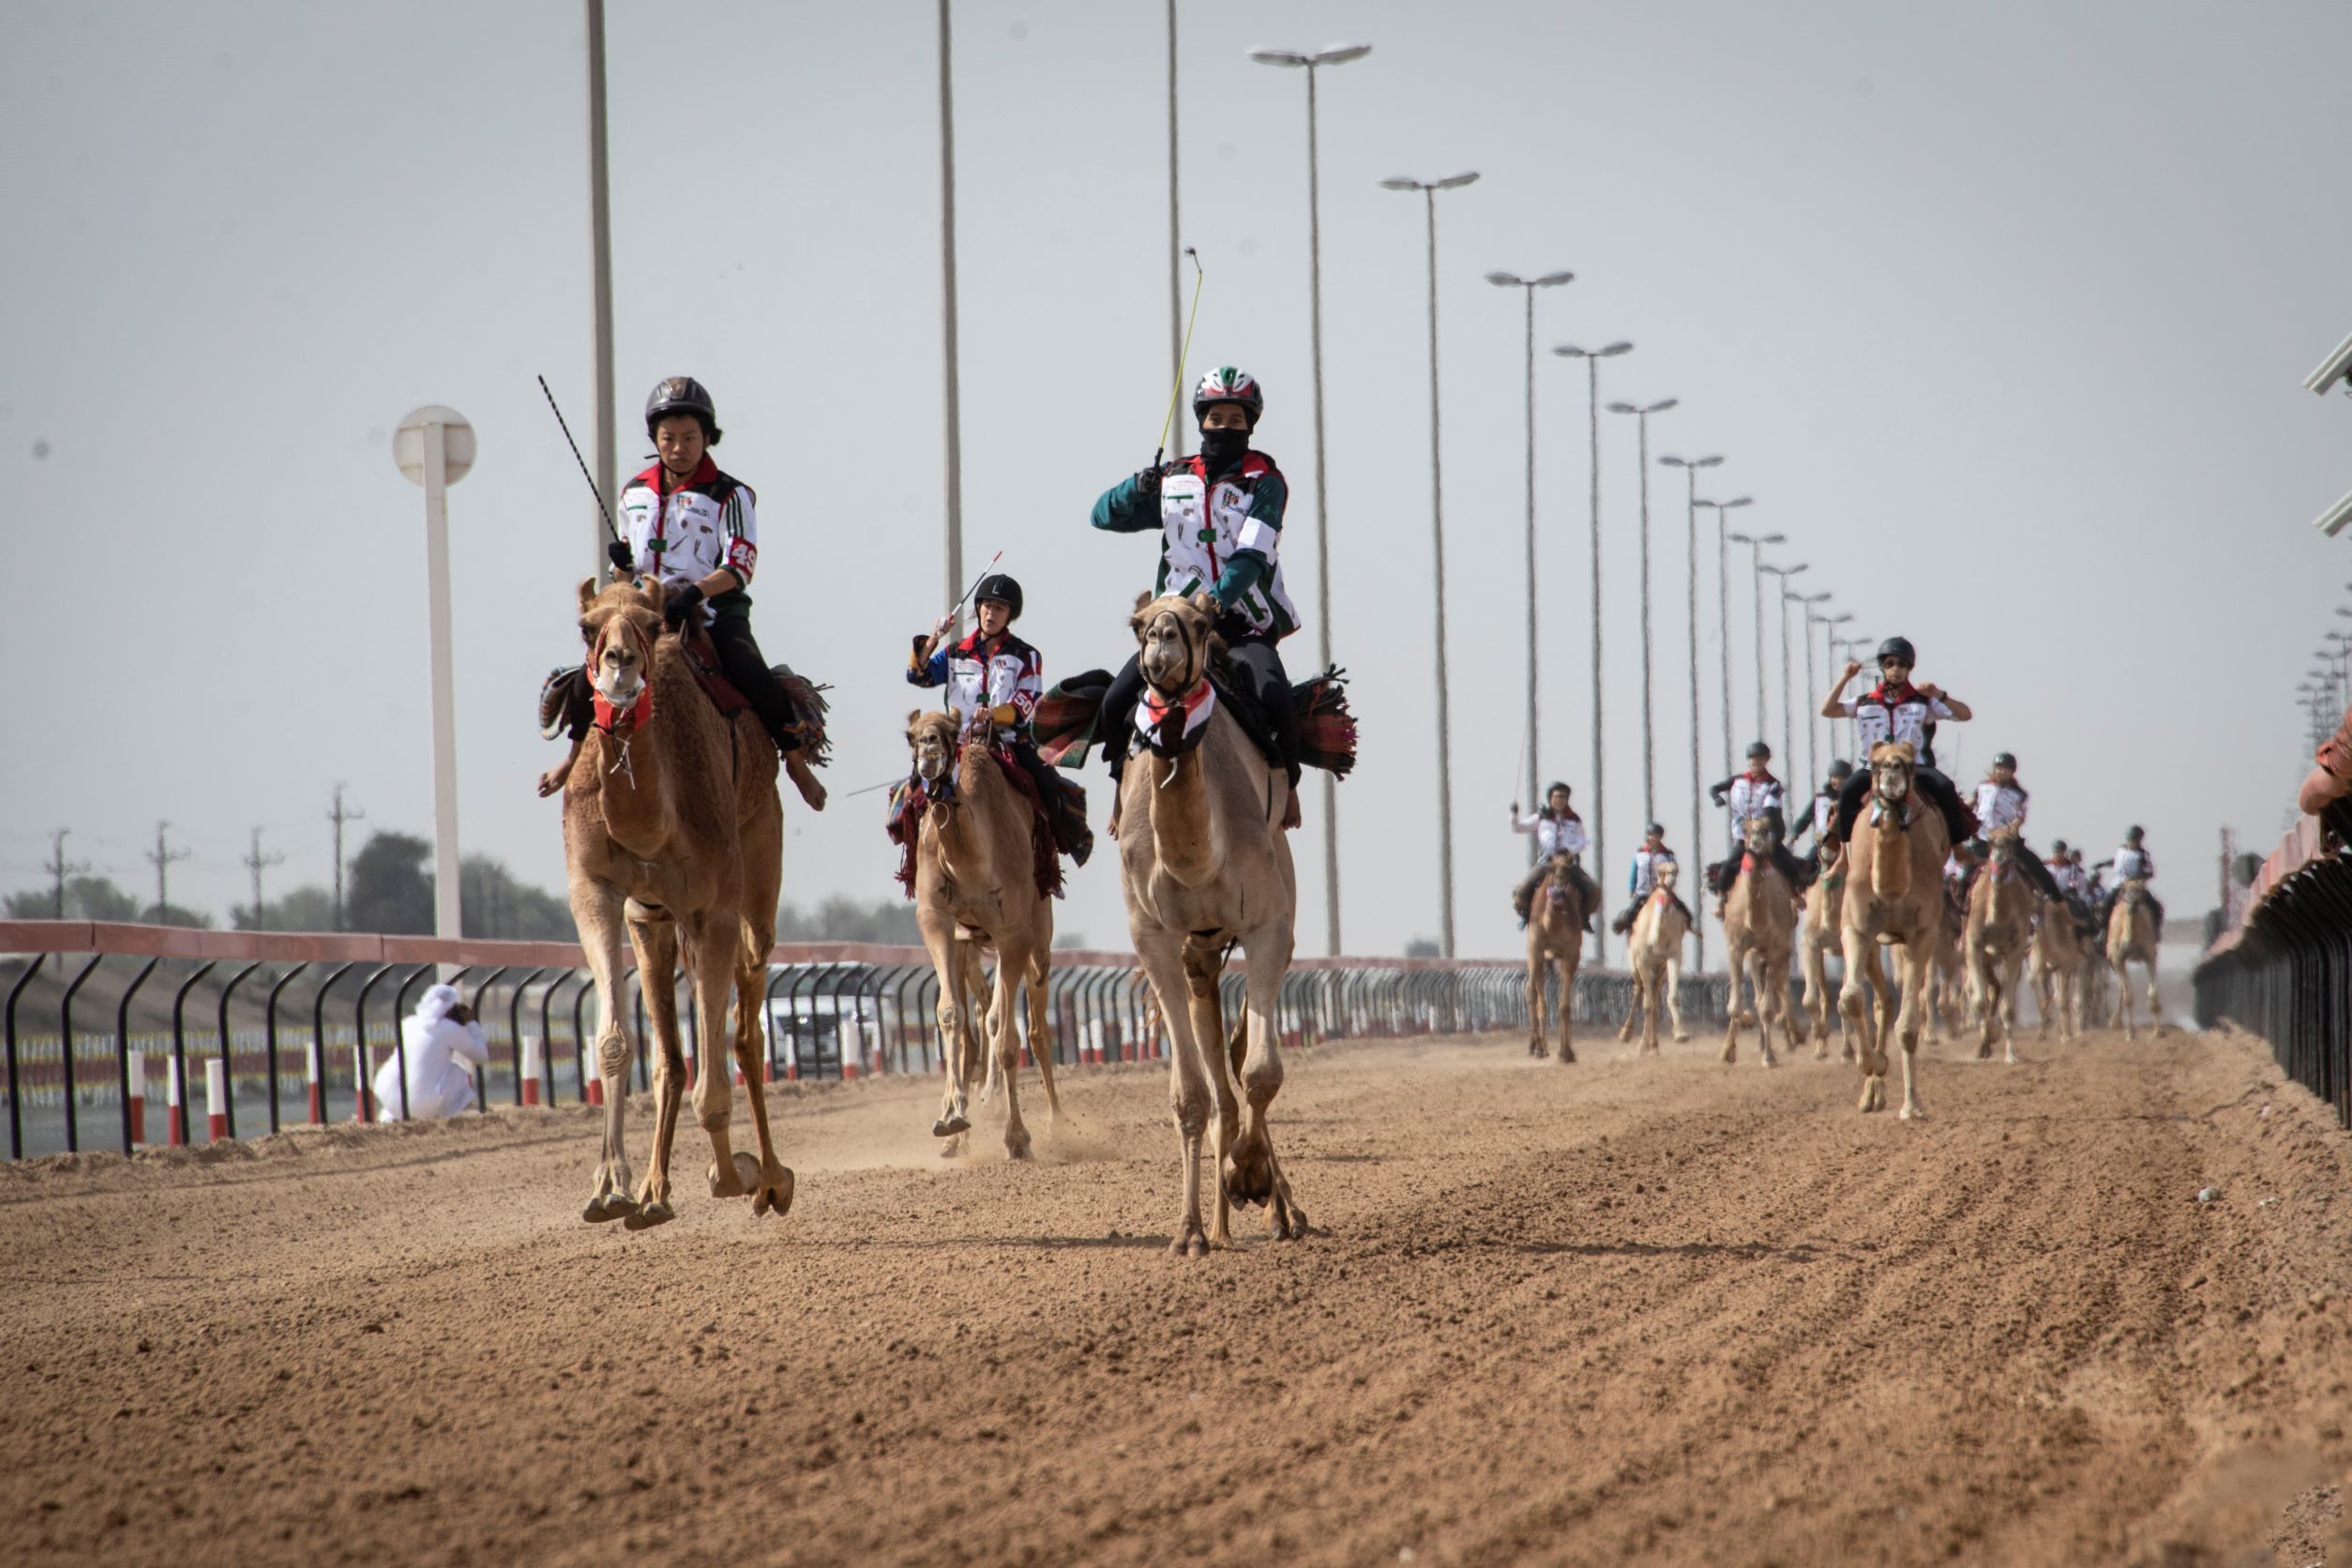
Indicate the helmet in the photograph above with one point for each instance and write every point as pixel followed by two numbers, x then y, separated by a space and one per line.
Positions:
pixel 996 585
pixel 1228 385
pixel 2133 834
pixel 2057 848
pixel 1898 647
pixel 1658 828
pixel 1556 788
pixel 682 394
pixel 1841 770
pixel 1758 748
pixel 2004 760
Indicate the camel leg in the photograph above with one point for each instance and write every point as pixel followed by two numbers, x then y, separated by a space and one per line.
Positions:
pixel 1203 961
pixel 2044 995
pixel 1907 1026
pixel 1632 1010
pixel 2013 981
pixel 1564 964
pixel 1188 1094
pixel 2155 1009
pixel 598 912
pixel 1980 985
pixel 656 943
pixel 1818 996
pixel 1256 1175
pixel 2123 990
pixel 1732 1011
pixel 768 1179
pixel 1772 990
pixel 1856 1004
pixel 1005 1020
pixel 718 966
pixel 947 962
pixel 1536 1044
pixel 1672 985
pixel 1041 1040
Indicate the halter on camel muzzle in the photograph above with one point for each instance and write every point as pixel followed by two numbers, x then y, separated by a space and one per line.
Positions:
pixel 1899 804
pixel 1170 726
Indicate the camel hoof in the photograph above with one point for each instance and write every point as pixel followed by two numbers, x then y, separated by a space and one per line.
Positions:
pixel 1681 1039
pixel 1911 1113
pixel 1567 1056
pixel 1287 1221
pixel 774 1194
pixel 1251 1179
pixel 1189 1244
pixel 650 1214
pixel 948 1126
pixel 602 1209
pixel 740 1177
pixel 1016 1142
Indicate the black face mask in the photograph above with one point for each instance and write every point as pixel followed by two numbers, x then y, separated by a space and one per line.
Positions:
pixel 1223 449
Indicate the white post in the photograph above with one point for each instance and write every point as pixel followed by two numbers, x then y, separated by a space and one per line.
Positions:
pixel 434 448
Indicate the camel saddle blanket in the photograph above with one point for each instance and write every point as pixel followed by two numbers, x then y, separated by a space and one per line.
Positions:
pixel 566 699
pixel 911 799
pixel 1068 717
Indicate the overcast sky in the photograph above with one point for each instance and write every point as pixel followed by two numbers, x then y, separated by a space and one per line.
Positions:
pixel 2000 312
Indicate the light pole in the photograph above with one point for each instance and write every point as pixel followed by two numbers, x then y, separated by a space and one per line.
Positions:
pixel 1787 729
pixel 1755 543
pixel 953 435
pixel 599 284
pixel 1297 60
pixel 1723 606
pixel 1804 603
pixel 1430 189
pixel 1641 413
pixel 1813 701
pixel 1592 358
pixel 1813 690
pixel 1528 287
pixel 434 447
pixel 1690 467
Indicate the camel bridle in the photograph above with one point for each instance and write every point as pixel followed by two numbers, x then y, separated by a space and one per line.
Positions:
pixel 1169 728
pixel 636 713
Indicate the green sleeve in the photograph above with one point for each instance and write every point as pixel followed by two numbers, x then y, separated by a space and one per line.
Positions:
pixel 1124 508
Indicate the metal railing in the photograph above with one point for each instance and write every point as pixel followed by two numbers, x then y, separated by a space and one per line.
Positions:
pixel 283 1029
pixel 2284 970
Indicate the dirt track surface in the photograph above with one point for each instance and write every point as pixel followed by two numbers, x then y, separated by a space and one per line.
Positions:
pixel 1663 1311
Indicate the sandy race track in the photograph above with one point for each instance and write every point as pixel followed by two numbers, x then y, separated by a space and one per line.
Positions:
pixel 1652 1312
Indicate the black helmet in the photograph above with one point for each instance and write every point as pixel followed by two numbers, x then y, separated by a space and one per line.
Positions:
pixel 1658 828
pixel 1841 770
pixel 2004 760
pixel 1556 788
pixel 682 394
pixel 1758 748
pixel 1002 589
pixel 2133 834
pixel 2057 848
pixel 1898 647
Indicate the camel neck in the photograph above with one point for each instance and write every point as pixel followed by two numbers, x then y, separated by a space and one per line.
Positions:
pixel 1183 828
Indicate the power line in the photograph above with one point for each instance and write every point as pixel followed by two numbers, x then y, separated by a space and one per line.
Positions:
pixel 161 857
pixel 254 862
pixel 338 814
pixel 59 868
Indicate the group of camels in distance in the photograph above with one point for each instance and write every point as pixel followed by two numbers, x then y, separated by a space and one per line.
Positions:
pixel 1882 887
pixel 672 834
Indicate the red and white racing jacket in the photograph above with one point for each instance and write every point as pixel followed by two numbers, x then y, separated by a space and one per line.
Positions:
pixel 684 536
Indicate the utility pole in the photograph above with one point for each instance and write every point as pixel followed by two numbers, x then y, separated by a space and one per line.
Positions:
pixel 338 814
pixel 161 857
pixel 254 862
pixel 954 432
pixel 601 285
pixel 59 870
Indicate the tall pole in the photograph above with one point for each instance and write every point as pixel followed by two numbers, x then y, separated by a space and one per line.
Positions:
pixel 1592 387
pixel 60 869
pixel 1690 517
pixel 339 814
pixel 954 454
pixel 257 862
pixel 446 920
pixel 1756 558
pixel 1322 515
pixel 1437 530
pixel 1649 752
pixel 162 859
pixel 600 284
pixel 1788 731
pixel 1812 760
pixel 1175 237
pixel 1534 741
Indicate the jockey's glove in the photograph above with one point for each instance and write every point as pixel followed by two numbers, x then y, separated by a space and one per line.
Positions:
pixel 681 604
pixel 1147 480
pixel 622 562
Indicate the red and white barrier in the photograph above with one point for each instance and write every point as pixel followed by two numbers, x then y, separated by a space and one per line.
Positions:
pixel 1126 1041
pixel 852 1046
pixel 359 1078
pixel 531 1069
pixel 216 1099
pixel 314 1063
pixel 135 1065
pixel 175 1091
pixel 595 1090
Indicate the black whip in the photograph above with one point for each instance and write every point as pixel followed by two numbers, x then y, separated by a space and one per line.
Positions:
pixel 582 461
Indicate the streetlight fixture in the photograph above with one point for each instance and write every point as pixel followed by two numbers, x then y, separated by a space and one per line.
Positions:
pixel 1812 689
pixel 1528 287
pixel 1690 467
pixel 1430 189
pixel 1722 609
pixel 1641 413
pixel 1755 543
pixel 1338 55
pixel 1787 727
pixel 1592 358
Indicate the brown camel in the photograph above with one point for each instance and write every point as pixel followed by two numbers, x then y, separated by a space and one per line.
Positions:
pixel 673 832
pixel 2057 970
pixel 2132 940
pixel 974 872
pixel 1555 933
pixel 1894 896
pixel 1205 866
pixel 1818 936
pixel 1946 1006
pixel 1999 932
pixel 1760 923
pixel 1654 953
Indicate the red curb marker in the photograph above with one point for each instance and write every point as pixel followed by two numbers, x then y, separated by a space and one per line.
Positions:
pixel 137 1064
pixel 176 1126
pixel 216 1099
pixel 314 1065
pixel 530 1069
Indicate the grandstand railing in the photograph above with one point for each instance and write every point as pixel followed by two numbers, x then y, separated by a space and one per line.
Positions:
pixel 2284 969
pixel 284 1029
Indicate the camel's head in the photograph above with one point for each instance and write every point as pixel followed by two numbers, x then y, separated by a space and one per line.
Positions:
pixel 1559 864
pixel 1892 766
pixel 2002 858
pixel 1761 834
pixel 1175 637
pixel 2133 892
pixel 931 736
pixel 1669 874
pixel 619 627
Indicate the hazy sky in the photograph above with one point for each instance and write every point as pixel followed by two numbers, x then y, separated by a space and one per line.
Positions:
pixel 2000 311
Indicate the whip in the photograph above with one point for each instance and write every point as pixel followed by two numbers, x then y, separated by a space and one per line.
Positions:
pixel 582 461
pixel 1177 392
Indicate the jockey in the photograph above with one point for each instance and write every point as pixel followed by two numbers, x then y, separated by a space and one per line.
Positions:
pixel 1824 812
pixel 1895 710
pixel 2133 862
pixel 1644 879
pixel 690 527
pixel 2000 802
pixel 1557 830
pixel 1220 517
pixel 2066 870
pixel 1751 795
pixel 993 678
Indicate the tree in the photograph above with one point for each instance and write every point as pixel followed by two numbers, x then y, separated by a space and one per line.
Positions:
pixel 389 890
pixel 843 919
pixel 1423 948
pixel 493 904
pixel 304 909
pixel 86 899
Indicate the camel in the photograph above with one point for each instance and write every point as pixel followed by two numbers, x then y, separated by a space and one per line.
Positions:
pixel 1653 952
pixel 1817 939
pixel 1894 896
pixel 1760 923
pixel 1999 932
pixel 672 831
pixel 2057 970
pixel 1205 866
pixel 2132 940
pixel 1555 932
pixel 1947 1002
pixel 973 872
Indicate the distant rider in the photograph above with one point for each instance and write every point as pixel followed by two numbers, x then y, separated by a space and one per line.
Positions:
pixel 2133 862
pixel 2001 802
pixel 1896 710
pixel 1558 829
pixel 1751 795
pixel 1823 814
pixel 1220 518
pixel 1644 879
